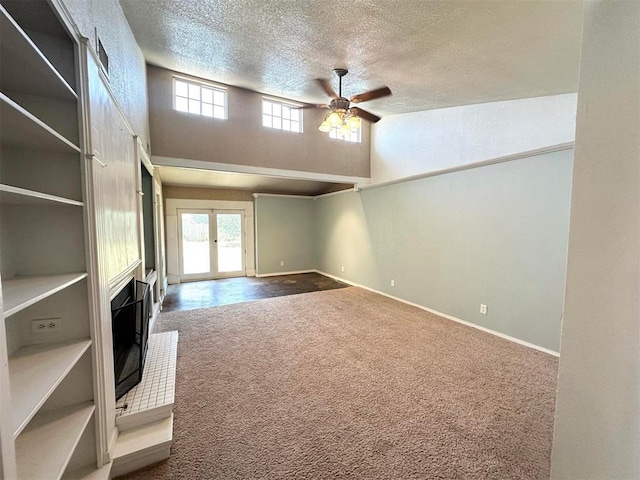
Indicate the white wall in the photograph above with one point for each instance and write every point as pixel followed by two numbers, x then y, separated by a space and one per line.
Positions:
pixel 597 428
pixel 495 235
pixel 415 143
pixel 285 240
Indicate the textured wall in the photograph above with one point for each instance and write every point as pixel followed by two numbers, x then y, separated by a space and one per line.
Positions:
pixel 420 142
pixel 242 140
pixel 284 233
pixel 597 429
pixel 495 235
pixel 127 68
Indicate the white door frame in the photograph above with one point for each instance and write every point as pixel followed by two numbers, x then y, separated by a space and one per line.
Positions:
pixel 171 225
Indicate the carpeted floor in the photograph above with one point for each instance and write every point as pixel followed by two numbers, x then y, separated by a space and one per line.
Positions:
pixel 349 384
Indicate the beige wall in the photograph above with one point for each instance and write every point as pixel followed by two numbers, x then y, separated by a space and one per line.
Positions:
pixel 206 193
pixel 127 68
pixel 241 140
pixel 597 428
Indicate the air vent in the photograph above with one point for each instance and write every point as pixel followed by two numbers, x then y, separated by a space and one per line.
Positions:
pixel 103 57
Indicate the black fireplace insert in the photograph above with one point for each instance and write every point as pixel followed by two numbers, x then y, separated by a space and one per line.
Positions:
pixel 130 311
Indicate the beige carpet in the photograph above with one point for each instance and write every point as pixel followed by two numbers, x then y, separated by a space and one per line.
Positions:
pixel 349 384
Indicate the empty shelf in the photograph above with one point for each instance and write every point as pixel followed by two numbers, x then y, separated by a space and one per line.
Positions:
pixel 23 130
pixel 34 373
pixel 31 71
pixel 44 449
pixel 19 196
pixel 21 292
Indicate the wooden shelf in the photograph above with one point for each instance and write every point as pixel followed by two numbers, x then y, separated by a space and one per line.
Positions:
pixel 31 72
pixel 22 292
pixel 19 196
pixel 23 130
pixel 44 449
pixel 34 373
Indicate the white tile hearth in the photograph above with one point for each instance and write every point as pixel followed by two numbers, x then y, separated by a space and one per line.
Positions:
pixel 153 398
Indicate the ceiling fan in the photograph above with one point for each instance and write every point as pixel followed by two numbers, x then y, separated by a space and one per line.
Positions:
pixel 343 115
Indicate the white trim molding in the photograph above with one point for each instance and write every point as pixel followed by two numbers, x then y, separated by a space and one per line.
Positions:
pixel 444 315
pixel 159 161
pixel 467 166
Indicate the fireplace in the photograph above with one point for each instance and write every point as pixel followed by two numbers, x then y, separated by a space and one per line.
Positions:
pixel 130 311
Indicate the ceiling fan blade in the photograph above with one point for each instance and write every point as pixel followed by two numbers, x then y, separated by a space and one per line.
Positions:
pixel 371 95
pixel 315 105
pixel 364 114
pixel 326 86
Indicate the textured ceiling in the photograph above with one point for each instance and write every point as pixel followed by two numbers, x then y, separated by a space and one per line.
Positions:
pixel 188 177
pixel 432 54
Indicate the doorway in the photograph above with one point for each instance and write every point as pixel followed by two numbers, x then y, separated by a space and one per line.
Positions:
pixel 211 244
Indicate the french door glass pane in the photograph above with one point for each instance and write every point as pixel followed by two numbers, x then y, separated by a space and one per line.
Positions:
pixel 195 243
pixel 229 242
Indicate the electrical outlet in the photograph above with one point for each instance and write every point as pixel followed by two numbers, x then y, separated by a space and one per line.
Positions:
pixel 393 283
pixel 483 309
pixel 46 325
pixel 342 269
pixel 282 263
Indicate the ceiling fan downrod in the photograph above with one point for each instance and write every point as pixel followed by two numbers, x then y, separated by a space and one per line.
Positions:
pixel 341 72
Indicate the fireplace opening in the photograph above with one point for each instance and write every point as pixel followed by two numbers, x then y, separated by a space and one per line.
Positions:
pixel 130 311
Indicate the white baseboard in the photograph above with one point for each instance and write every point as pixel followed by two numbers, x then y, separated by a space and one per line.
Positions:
pixel 262 275
pixel 444 315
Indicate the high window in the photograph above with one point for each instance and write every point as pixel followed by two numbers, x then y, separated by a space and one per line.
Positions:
pixel 199 98
pixel 354 135
pixel 282 116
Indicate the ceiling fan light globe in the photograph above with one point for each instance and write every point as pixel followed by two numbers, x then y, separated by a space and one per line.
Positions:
pixel 334 119
pixel 344 130
pixel 354 122
pixel 325 127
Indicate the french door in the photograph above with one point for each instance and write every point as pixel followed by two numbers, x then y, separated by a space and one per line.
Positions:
pixel 212 244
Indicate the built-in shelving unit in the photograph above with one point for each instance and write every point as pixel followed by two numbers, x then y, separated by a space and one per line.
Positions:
pixel 43 262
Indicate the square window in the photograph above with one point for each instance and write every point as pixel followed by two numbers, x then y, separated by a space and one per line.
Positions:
pixel 281 116
pixel 199 99
pixel 182 89
pixel 207 110
pixel 194 92
pixel 219 98
pixel 207 95
pixel 182 104
pixel 218 112
pixel 351 136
